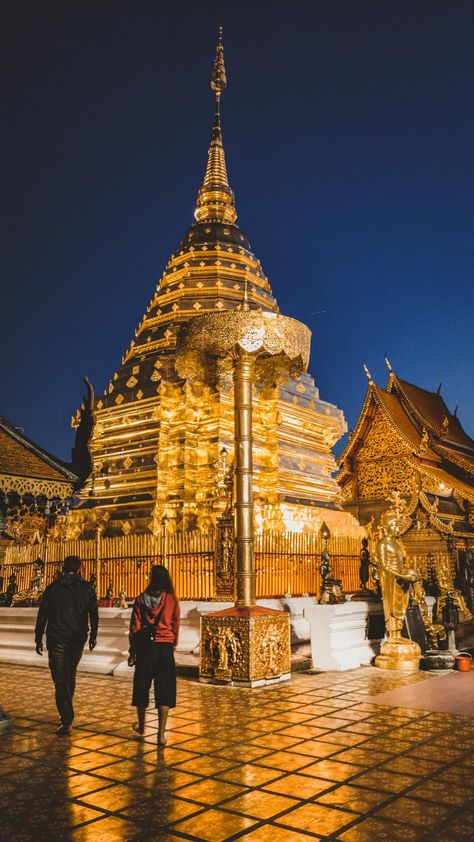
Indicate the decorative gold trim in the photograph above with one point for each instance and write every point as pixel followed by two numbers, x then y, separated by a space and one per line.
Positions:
pixel 9 483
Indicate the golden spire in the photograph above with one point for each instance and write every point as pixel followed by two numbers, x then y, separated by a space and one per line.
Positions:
pixel 215 200
pixel 368 374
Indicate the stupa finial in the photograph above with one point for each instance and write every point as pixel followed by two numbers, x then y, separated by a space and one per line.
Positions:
pixel 219 78
pixel 215 200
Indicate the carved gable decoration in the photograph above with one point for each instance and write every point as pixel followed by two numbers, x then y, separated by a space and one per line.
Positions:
pixel 381 441
pixel 378 479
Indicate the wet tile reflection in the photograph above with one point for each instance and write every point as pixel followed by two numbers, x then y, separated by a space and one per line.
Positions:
pixel 310 759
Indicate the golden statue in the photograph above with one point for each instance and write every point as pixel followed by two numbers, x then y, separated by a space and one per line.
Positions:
pixel 223 650
pixel 445 582
pixel 435 632
pixel 33 593
pixel 397 653
pixel 121 600
pixel 271 650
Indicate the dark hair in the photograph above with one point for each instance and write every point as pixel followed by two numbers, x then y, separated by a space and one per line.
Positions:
pixel 160 579
pixel 72 564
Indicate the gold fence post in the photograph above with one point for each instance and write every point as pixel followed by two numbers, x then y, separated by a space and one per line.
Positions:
pixel 45 557
pixel 164 540
pixel 98 566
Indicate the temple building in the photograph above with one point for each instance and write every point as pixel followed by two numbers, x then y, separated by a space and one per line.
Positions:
pixel 35 488
pixel 407 442
pixel 158 439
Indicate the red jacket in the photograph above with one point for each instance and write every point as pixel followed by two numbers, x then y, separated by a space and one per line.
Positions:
pixel 147 607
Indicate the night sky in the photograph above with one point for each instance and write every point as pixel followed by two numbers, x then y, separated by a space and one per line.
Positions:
pixel 349 135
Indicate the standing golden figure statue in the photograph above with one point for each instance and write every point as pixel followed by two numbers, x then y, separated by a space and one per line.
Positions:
pixel 435 632
pixel 396 576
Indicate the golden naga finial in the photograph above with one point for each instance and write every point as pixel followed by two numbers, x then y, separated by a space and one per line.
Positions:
pixel 367 373
pixel 215 200
pixel 387 363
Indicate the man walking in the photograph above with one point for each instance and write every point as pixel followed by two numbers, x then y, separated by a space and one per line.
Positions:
pixel 67 607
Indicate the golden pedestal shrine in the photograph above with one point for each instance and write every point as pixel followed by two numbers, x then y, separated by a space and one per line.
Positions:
pixel 249 646
pixel 157 436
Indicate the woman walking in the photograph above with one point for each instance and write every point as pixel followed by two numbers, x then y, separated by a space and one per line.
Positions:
pixel 154 629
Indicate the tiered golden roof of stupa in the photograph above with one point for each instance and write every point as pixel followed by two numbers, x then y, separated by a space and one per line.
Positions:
pixel 209 271
pixel 157 439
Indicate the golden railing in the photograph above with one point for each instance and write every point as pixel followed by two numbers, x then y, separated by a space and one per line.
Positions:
pixel 287 563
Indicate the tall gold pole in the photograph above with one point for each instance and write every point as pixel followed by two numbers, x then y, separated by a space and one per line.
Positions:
pixel 243 382
pixel 164 540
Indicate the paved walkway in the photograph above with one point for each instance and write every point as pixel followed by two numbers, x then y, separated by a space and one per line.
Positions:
pixel 314 758
pixel 451 693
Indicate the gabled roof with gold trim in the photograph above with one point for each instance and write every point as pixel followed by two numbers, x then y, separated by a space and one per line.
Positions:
pixel 431 411
pixel 403 425
pixel 21 457
pixel 434 439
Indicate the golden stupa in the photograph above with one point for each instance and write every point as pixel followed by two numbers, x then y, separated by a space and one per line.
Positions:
pixel 158 437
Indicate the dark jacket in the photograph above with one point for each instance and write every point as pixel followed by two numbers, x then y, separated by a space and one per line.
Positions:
pixel 67 606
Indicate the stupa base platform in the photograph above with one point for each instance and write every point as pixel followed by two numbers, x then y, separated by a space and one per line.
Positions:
pixel 110 656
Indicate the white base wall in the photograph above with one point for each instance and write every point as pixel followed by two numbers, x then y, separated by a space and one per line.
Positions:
pixel 338 635
pixel 17 639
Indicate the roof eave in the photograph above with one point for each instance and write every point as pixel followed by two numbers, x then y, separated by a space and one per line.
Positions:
pixel 38 451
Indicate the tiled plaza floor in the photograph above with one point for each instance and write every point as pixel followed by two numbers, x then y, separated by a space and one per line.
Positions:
pixel 309 759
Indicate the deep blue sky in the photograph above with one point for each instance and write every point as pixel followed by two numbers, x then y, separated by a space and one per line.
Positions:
pixel 349 135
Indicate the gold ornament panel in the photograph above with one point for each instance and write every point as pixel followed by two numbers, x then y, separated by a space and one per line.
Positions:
pixel 246 649
pixel 281 344
pixel 34 486
pixel 378 479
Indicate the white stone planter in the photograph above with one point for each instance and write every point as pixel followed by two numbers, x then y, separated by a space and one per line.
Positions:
pixel 339 635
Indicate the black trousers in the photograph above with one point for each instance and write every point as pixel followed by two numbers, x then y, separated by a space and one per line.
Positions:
pixel 155 663
pixel 64 658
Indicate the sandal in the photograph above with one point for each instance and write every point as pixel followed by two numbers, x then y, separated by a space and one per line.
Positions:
pixel 137 729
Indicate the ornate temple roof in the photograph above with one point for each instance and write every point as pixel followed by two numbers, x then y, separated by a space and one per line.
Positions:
pixel 429 435
pixel 21 458
pixel 431 411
